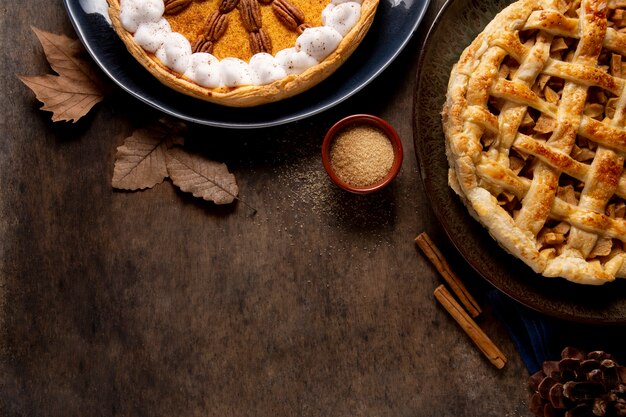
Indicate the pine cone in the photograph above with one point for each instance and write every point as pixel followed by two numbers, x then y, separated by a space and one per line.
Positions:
pixel 579 385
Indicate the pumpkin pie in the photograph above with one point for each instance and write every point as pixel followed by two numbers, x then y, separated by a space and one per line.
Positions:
pixel 241 53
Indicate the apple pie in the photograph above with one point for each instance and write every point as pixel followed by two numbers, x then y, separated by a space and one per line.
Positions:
pixel 535 135
pixel 241 53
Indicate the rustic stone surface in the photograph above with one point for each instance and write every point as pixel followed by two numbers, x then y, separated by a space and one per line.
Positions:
pixel 157 304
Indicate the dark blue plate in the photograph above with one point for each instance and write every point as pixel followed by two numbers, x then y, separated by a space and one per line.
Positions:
pixel 393 27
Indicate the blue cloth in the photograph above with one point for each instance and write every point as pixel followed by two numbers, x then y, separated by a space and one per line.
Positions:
pixel 538 337
pixel 531 333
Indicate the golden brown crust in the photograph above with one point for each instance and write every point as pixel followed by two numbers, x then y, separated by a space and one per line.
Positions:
pixel 252 95
pixel 562 210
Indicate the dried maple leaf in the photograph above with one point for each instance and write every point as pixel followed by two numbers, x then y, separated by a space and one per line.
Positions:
pixel 140 161
pixel 71 94
pixel 203 178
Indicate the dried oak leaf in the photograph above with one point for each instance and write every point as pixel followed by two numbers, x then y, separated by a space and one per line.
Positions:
pixel 77 87
pixel 201 177
pixel 140 162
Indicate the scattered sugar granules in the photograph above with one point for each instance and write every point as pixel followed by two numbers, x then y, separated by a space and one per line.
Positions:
pixel 361 155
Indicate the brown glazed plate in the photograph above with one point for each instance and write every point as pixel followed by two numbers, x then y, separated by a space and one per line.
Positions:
pixel 456 25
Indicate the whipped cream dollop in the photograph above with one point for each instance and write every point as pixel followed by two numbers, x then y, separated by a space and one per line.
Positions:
pixel 144 19
pixel 100 7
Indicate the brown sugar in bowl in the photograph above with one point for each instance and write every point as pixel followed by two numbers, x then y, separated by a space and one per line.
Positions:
pixel 362 153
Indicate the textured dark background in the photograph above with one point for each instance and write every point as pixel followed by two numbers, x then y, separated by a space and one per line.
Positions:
pixel 156 304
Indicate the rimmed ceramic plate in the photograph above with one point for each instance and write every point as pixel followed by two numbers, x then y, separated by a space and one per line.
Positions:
pixel 456 25
pixel 393 27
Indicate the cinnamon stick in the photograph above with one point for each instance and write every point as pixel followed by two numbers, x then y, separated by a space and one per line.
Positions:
pixel 486 346
pixel 435 256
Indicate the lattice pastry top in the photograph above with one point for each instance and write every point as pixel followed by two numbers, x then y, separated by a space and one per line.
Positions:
pixel 535 135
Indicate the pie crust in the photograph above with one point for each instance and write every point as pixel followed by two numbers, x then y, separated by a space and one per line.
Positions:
pixel 534 124
pixel 249 95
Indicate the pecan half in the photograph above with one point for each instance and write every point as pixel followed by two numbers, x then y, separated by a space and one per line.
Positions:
pixel 227 6
pixel 302 27
pixel 215 26
pixel 289 15
pixel 250 12
pixel 260 42
pixel 176 6
pixel 202 45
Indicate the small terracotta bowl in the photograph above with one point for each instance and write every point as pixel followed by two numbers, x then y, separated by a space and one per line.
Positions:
pixel 356 120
